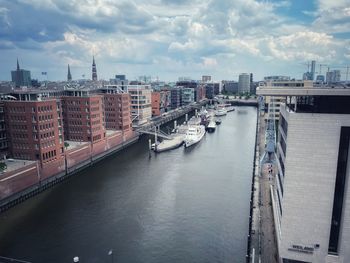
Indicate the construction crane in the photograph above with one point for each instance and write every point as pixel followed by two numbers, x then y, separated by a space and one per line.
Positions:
pixel 306 64
pixel 322 65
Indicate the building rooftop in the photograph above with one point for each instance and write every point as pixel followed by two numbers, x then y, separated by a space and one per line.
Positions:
pixel 303 91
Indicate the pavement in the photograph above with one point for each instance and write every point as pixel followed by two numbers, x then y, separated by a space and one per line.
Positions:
pixel 14 164
pixel 263 230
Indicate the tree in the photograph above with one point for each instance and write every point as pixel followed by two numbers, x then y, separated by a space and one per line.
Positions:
pixel 3 166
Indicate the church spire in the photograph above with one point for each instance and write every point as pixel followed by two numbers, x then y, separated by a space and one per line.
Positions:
pixel 94 71
pixel 69 75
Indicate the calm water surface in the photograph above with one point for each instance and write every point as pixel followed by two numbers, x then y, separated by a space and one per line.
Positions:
pixel 186 205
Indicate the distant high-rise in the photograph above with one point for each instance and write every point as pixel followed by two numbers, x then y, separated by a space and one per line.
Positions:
pixel 69 75
pixel 244 83
pixel 21 77
pixel 320 78
pixel 313 66
pixel 206 78
pixel 120 77
pixel 94 71
pixel 276 78
pixel 307 76
pixel 333 76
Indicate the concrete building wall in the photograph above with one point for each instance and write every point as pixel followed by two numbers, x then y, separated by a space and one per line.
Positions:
pixel 141 107
pixel 312 145
pixel 187 96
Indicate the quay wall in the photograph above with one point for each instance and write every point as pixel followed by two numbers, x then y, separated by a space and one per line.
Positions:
pixel 254 205
pixel 18 180
pixel 31 179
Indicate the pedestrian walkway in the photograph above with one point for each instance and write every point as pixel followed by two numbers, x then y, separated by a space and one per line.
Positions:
pixel 264 246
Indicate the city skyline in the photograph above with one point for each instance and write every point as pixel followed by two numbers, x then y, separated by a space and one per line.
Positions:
pixel 170 39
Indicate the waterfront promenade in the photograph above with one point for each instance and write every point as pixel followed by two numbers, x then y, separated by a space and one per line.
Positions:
pixel 263 241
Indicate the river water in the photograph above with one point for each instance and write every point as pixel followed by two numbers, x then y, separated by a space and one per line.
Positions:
pixel 185 205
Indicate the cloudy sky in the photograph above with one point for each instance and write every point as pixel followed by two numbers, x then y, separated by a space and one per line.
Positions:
pixel 172 38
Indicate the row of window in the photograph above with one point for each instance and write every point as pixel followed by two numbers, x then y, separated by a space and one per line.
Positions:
pixel 44 135
pixel 3 145
pixel 17 118
pixel 16 109
pixel 76 138
pixel 19 136
pixel 45 144
pixel 113 108
pixel 46 126
pixel 49 155
pixel 74 102
pixel 22 156
pixel 112 98
pixel 21 146
pixel 44 117
pixel 19 127
pixel 42 108
pixel 95 108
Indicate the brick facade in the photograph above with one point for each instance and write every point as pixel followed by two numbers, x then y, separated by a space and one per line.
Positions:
pixel 117 111
pixel 34 130
pixel 83 118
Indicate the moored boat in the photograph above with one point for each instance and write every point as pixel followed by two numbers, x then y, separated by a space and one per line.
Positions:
pixel 230 108
pixel 211 126
pixel 220 112
pixel 166 145
pixel 217 121
pixel 194 135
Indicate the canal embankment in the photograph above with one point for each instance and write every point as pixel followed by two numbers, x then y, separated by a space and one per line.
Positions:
pixel 262 246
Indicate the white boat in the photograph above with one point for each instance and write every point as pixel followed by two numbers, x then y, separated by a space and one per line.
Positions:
pixel 194 135
pixel 220 112
pixel 166 145
pixel 194 121
pixel 211 126
pixel 230 108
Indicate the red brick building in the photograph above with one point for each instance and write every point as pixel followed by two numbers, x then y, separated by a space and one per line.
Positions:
pixel 83 118
pixel 3 135
pixel 34 130
pixel 117 111
pixel 155 103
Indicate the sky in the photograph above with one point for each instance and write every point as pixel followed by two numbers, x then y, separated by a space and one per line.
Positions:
pixel 173 38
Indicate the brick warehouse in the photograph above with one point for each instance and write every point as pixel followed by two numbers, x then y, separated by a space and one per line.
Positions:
pixel 34 130
pixel 117 111
pixel 83 118
pixel 38 125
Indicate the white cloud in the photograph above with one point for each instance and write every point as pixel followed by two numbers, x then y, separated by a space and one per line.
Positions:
pixel 209 36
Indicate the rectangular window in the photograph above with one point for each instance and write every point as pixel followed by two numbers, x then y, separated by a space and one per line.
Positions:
pixel 283 145
pixel 339 189
pixel 286 260
pixel 284 125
